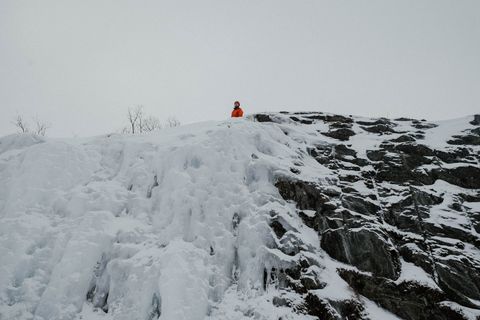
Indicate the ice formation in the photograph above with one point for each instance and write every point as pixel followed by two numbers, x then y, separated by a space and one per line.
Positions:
pixel 180 223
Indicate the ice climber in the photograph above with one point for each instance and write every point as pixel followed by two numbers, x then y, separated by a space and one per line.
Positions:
pixel 237 111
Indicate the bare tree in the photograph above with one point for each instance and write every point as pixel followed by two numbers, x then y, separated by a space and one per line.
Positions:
pixel 138 122
pixel 172 122
pixel 20 123
pixel 41 127
pixel 151 123
pixel 135 117
pixel 125 129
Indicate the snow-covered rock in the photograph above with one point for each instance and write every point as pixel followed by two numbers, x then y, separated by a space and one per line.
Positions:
pixel 274 216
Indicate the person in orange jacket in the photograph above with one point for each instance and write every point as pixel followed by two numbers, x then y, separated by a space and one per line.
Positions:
pixel 237 111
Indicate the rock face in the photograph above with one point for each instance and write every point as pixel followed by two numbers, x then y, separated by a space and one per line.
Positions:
pixel 409 197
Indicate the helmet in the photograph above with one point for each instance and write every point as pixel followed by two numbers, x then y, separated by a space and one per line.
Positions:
pixel 236 103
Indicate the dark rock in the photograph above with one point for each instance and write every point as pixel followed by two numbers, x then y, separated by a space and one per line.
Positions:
pixel 342 134
pixel 294 170
pixel 408 300
pixel 413 254
pixel 408 213
pixel 459 277
pixel 342 150
pixel 452 156
pixel 405 220
pixel 361 162
pixel 468 139
pixel 331 118
pixel 395 173
pixel 404 119
pixel 476 120
pixel 466 176
pixel 379 128
pixel 350 178
pixel 335 219
pixel 419 125
pixel 423 198
pixel 278 228
pixel 340 125
pixel 397 166
pixel 460 245
pixel 320 308
pixel 360 204
pixel 311 284
pixel 350 214
pixel 443 230
pixel 302 121
pixel 308 220
pixel 404 138
pixel 419 135
pixel 291 244
pixel 300 277
pixel 328 155
pixel 324 309
pixel 325 218
pixel 281 302
pixel 381 121
pixel 471 137
pixel 331 192
pixel 351 309
pixel 412 161
pixel 376 155
pixel 263 118
pixel 307 113
pixel 366 249
pixel 307 195
pixel 414 149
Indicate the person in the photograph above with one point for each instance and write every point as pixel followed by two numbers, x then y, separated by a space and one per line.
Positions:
pixel 237 111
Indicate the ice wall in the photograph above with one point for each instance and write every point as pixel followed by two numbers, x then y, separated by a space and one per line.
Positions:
pixel 135 226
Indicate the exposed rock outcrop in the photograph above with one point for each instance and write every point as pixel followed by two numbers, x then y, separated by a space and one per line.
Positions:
pixel 388 205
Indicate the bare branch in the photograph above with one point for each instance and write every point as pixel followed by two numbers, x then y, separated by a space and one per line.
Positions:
pixel 41 126
pixel 20 123
pixel 138 122
pixel 172 122
pixel 151 123
pixel 135 117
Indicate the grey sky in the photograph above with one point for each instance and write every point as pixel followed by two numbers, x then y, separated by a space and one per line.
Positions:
pixel 80 64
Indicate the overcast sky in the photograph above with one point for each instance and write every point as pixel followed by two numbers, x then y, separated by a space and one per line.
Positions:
pixel 81 64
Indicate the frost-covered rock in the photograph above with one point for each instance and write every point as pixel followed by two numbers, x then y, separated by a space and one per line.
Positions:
pixel 274 216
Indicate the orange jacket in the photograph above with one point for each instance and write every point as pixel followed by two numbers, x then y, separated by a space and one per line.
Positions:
pixel 238 112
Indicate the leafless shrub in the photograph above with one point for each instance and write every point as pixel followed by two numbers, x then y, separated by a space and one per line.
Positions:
pixel 139 123
pixel 41 126
pixel 135 118
pixel 172 122
pixel 20 123
pixel 40 129
pixel 151 123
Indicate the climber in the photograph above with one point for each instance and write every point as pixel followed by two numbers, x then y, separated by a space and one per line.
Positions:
pixel 237 111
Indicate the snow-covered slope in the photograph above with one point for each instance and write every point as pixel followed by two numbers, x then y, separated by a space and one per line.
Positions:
pixel 241 219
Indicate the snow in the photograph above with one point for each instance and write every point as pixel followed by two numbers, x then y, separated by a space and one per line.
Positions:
pixel 411 272
pixel 171 224
pixel 376 312
pixel 156 208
